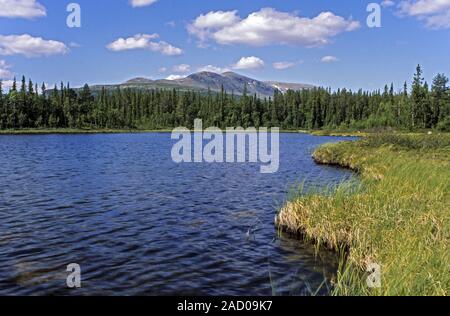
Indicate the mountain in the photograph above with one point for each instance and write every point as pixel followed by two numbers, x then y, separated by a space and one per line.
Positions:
pixel 204 81
pixel 284 86
pixel 139 81
pixel 230 81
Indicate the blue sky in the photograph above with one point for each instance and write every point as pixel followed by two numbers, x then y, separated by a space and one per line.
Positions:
pixel 412 32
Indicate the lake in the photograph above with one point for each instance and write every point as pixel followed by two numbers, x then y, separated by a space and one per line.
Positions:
pixel 139 224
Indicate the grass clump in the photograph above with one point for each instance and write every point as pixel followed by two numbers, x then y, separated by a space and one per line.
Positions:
pixel 398 216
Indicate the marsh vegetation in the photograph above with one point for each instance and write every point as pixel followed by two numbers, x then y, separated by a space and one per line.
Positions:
pixel 397 216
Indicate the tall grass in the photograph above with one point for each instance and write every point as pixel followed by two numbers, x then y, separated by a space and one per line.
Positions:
pixel 397 217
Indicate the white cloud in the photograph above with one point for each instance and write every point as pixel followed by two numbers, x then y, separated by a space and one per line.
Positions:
pixel 268 26
pixel 211 68
pixel 144 41
pixel 7 84
pixel 162 69
pixel 183 68
pixel 74 45
pixel 205 25
pixel 329 59
pixel 439 21
pixel 423 7
pixel 171 24
pixel 282 65
pixel 165 48
pixel 387 3
pixel 435 13
pixel 251 62
pixel 175 77
pixel 5 72
pixel 30 46
pixel 21 9
pixel 141 3
pixel 136 42
pixel 216 20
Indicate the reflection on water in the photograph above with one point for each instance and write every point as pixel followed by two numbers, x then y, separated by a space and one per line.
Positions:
pixel 138 224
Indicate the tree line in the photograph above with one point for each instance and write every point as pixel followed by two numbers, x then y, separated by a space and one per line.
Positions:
pixel 417 107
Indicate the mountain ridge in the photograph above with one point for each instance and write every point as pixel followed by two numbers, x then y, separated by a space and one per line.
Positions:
pixel 210 81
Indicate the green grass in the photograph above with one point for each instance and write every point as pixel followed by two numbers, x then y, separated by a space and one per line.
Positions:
pixel 338 133
pixel 397 215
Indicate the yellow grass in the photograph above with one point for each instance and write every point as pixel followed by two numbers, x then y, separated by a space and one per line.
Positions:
pixel 397 216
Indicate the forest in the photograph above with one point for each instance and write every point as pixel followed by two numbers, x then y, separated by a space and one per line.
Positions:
pixel 415 106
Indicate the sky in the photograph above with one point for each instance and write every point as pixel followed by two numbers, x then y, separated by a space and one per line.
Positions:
pixel 321 42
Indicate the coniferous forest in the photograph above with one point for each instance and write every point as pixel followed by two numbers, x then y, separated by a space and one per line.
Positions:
pixel 414 106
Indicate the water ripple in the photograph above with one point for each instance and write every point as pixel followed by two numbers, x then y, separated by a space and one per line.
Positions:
pixel 138 224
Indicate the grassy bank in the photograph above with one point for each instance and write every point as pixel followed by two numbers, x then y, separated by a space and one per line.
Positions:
pixel 339 133
pixel 397 216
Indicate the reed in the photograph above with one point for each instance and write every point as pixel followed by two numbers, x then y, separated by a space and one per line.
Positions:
pixel 397 215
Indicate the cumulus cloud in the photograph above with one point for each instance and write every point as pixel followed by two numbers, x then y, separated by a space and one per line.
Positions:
pixel 329 59
pixel 175 77
pixel 30 46
pixel 183 68
pixel 212 68
pixel 434 13
pixel 282 65
pixel 268 26
pixel 5 72
pixel 27 9
pixel 144 41
pixel 136 42
pixel 141 3
pixel 205 25
pixel 251 62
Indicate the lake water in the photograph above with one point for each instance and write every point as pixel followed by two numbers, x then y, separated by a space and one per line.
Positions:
pixel 139 224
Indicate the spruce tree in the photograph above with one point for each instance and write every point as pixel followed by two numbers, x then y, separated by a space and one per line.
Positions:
pixel 439 93
pixel 14 85
pixel 417 98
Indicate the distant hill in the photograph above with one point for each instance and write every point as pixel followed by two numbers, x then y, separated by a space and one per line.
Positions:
pixel 284 86
pixel 204 81
pixel 230 81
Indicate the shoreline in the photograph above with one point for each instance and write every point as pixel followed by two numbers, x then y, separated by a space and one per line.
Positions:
pixel 75 131
pixel 80 131
pixel 387 218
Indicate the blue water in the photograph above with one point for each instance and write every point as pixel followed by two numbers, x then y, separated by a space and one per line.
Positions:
pixel 139 224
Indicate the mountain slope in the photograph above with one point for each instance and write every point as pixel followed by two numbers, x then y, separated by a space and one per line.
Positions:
pixel 204 81
pixel 284 86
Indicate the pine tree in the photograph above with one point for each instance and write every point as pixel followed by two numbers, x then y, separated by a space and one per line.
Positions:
pixel 14 85
pixel 402 107
pixel 426 107
pixel 30 87
pixel 158 108
pixel 23 86
pixel 439 93
pixel 418 98
pixel 43 88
